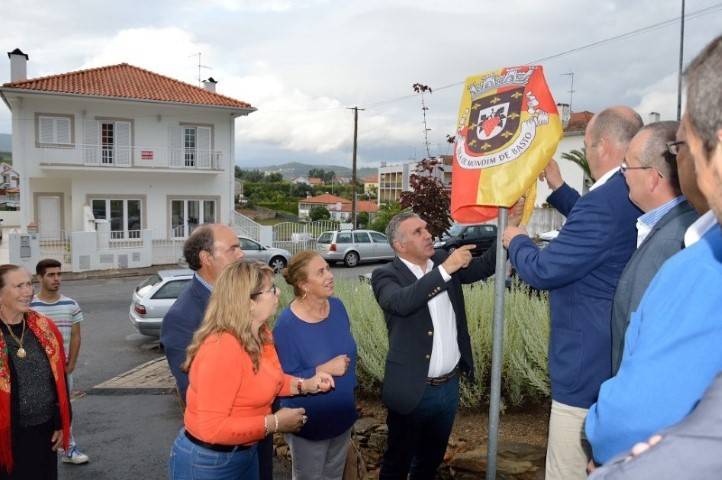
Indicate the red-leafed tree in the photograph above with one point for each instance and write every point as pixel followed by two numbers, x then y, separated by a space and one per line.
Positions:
pixel 428 198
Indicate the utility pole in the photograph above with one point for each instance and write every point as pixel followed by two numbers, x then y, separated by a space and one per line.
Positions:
pixel 353 167
pixel 681 56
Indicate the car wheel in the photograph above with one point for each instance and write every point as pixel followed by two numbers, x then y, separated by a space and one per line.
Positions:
pixel 277 264
pixel 351 259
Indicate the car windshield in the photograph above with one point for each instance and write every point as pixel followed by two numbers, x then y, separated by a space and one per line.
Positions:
pixel 324 238
pixel 148 283
pixel 455 230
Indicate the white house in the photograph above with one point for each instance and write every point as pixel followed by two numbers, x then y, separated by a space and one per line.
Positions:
pixel 138 149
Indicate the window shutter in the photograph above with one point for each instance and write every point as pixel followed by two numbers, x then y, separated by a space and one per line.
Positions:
pixel 122 143
pixel 45 127
pixel 91 142
pixel 175 147
pixel 203 142
pixel 62 130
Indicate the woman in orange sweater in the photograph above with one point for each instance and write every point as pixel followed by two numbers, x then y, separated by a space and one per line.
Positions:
pixel 235 375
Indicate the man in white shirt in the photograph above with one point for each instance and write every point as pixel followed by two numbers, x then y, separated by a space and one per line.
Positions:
pixel 421 296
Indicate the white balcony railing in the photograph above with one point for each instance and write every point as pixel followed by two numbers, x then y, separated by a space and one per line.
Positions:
pixel 137 156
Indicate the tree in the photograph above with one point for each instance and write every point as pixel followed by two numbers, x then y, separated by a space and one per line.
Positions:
pixel 428 198
pixel 319 212
pixel 273 177
pixel 579 157
pixel 301 190
pixel 328 176
pixel 384 216
pixel 362 218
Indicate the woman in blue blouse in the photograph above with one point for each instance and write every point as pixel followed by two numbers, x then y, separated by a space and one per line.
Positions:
pixel 314 335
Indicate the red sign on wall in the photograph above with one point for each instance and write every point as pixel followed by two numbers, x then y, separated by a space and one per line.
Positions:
pixel 146 154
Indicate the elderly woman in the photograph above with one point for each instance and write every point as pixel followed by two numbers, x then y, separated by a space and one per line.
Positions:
pixel 235 376
pixel 34 408
pixel 313 335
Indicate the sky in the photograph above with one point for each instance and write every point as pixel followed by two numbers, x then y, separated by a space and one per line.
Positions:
pixel 302 63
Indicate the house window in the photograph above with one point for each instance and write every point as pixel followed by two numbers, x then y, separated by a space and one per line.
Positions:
pixel 124 215
pixel 187 214
pixel 189 146
pixel 106 142
pixel 54 130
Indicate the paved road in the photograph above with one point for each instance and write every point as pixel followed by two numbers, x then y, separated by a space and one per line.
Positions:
pixel 127 436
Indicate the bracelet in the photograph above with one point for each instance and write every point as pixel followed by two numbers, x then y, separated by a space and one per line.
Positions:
pixel 275 418
pixel 299 385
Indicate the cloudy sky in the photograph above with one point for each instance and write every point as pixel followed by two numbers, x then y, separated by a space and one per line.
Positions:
pixel 303 62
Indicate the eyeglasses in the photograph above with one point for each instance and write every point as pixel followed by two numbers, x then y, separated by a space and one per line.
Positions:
pixel 674 147
pixel 624 167
pixel 273 289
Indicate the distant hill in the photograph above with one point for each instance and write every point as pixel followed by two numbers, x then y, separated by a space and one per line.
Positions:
pixel 295 169
pixel 6 143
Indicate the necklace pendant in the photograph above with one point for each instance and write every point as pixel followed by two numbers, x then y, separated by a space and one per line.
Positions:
pixel 21 353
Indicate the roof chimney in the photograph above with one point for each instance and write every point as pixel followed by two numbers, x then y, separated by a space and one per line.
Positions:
pixel 565 113
pixel 18 65
pixel 653 117
pixel 210 84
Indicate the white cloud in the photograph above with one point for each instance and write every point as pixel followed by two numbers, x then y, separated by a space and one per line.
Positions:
pixel 660 97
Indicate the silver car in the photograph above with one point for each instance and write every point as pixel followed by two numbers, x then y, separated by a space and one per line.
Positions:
pixel 153 298
pixel 353 246
pixel 276 258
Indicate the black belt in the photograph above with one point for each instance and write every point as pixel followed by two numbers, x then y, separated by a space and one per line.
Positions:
pixel 442 379
pixel 214 446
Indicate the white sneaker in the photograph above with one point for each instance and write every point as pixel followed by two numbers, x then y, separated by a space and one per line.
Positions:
pixel 75 457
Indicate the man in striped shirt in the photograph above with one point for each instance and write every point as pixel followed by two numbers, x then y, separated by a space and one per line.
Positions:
pixel 66 314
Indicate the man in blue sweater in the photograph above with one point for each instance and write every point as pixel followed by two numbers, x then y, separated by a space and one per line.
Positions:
pixel 581 268
pixel 672 346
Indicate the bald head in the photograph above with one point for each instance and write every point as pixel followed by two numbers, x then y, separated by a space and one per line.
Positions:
pixel 607 137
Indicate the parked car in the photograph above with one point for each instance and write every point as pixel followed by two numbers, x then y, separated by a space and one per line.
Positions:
pixel 153 298
pixel 481 235
pixel 353 246
pixel 276 258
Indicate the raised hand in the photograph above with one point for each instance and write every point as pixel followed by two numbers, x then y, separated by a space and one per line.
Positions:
pixel 552 175
pixel 459 258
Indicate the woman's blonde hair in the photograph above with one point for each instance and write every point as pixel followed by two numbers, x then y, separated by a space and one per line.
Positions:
pixel 296 271
pixel 229 310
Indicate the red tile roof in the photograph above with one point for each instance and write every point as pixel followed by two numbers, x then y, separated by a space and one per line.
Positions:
pixel 127 81
pixel 370 179
pixel 326 198
pixel 361 206
pixel 578 121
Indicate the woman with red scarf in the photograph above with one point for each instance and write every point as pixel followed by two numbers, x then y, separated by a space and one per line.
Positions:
pixel 34 406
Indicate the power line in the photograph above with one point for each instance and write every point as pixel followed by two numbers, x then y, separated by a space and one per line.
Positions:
pixel 631 33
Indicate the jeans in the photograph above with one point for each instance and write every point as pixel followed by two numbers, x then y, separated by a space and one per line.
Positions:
pixel 417 441
pixel 189 461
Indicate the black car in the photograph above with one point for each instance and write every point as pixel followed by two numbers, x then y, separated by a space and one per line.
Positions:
pixel 482 235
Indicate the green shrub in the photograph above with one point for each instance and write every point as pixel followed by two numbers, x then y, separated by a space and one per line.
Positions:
pixel 526 332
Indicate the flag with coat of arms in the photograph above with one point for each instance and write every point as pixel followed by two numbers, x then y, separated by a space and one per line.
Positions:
pixel 508 129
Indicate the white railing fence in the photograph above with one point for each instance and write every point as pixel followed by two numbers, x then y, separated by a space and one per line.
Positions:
pixel 58 248
pixel 295 236
pixel 246 226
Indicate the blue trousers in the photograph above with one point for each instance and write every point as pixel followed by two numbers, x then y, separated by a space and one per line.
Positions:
pixel 189 461
pixel 417 441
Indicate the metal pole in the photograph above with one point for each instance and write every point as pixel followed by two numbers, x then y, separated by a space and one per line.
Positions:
pixel 353 169
pixel 681 57
pixel 497 353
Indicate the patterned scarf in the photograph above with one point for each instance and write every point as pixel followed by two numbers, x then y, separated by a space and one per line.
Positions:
pixel 52 342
